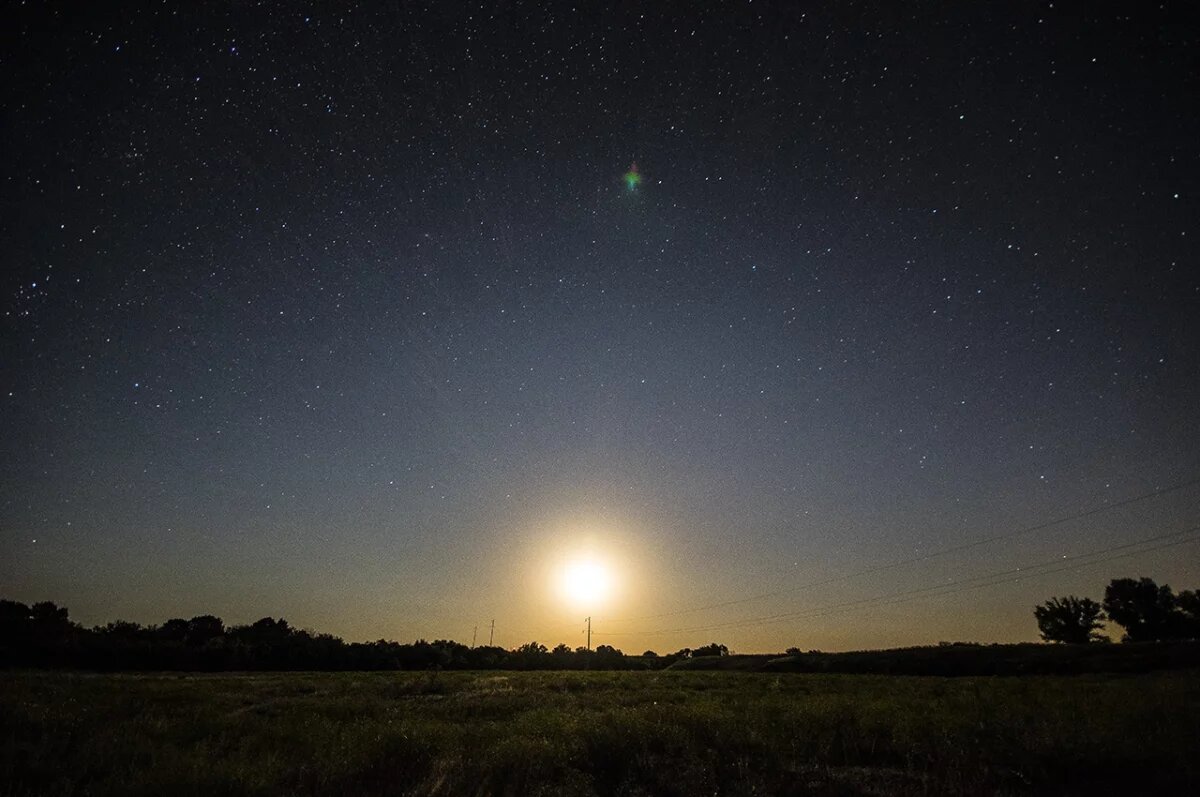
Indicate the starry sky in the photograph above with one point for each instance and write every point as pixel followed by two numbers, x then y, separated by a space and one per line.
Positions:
pixel 344 312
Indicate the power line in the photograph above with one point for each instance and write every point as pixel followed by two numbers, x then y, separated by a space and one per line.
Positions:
pixel 1074 566
pixel 968 587
pixel 938 590
pixel 925 557
pixel 910 595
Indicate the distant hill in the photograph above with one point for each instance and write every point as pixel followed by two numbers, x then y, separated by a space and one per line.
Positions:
pixel 969 659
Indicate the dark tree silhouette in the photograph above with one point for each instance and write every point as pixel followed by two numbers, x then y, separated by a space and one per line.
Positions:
pixel 123 629
pixel 711 649
pixel 1145 610
pixel 267 628
pixel 43 635
pixel 174 630
pixel 1072 620
pixel 1188 603
pixel 51 625
pixel 48 615
pixel 203 628
pixel 16 621
pixel 607 654
pixel 16 633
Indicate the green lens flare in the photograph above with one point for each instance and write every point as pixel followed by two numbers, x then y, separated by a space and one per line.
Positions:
pixel 632 178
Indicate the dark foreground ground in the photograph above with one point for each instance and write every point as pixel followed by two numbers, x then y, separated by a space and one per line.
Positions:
pixel 677 733
pixel 971 659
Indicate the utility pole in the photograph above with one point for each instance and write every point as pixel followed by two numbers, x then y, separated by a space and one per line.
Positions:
pixel 473 635
pixel 492 635
pixel 589 622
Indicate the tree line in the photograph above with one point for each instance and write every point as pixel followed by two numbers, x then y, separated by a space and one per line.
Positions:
pixel 1146 611
pixel 43 635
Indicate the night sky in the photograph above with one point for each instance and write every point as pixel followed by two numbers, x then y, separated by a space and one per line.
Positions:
pixel 346 313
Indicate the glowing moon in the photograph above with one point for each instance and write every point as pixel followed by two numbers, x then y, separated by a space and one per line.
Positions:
pixel 585 582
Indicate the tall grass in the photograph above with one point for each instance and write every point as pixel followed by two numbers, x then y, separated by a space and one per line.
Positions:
pixel 675 733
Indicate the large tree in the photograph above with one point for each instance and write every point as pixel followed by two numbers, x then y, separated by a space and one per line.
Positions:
pixel 1145 610
pixel 1188 602
pixel 1072 620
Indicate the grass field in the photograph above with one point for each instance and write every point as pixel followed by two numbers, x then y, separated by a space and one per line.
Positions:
pixel 678 733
